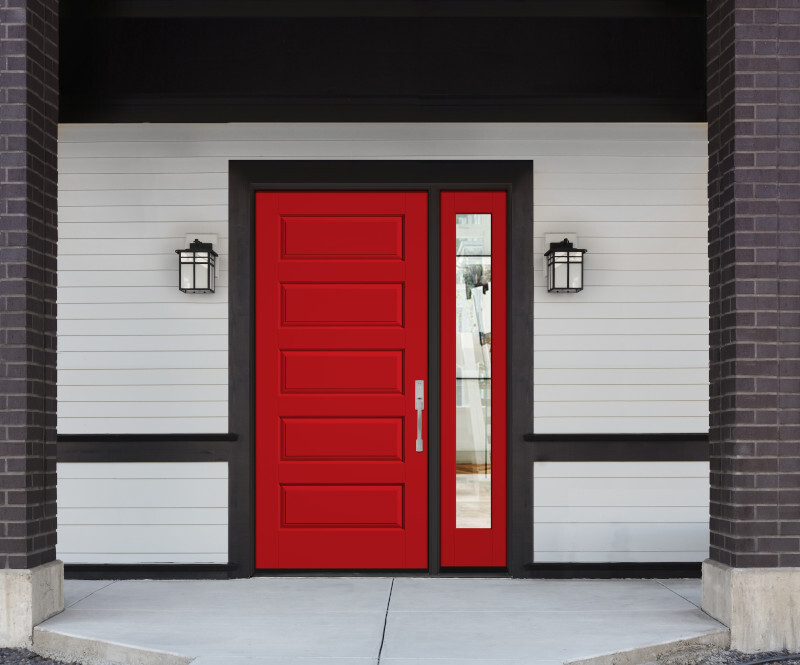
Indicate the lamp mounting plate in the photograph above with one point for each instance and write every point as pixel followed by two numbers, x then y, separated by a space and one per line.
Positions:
pixel 559 237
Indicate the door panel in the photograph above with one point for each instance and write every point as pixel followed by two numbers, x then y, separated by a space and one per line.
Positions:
pixel 341 336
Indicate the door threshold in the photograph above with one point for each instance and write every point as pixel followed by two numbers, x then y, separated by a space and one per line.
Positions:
pixel 443 573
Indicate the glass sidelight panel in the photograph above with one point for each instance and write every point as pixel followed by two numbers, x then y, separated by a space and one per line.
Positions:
pixel 473 332
pixel 473 383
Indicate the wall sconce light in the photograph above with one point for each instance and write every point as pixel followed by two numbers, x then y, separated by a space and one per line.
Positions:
pixel 196 268
pixel 564 267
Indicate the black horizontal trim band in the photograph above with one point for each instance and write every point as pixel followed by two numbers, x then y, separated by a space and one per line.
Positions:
pixel 145 447
pixel 546 448
pixel 619 447
pixel 154 571
pixel 606 571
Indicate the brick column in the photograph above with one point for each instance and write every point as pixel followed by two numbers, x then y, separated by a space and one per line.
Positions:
pixel 754 261
pixel 30 577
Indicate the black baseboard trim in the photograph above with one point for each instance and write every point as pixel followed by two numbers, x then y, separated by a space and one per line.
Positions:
pixel 607 571
pixel 472 571
pixel 619 447
pixel 144 571
pixel 558 571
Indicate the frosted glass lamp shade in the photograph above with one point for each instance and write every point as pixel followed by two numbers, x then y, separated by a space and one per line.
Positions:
pixel 564 266
pixel 197 268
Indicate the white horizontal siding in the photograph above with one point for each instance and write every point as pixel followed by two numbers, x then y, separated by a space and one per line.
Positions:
pixel 117 343
pixel 126 230
pixel 633 327
pixel 627 342
pixel 635 194
pixel 623 229
pixel 630 352
pixel 610 376
pixel 179 327
pixel 133 295
pixel 151 359
pixel 619 393
pixel 608 197
pixel 143 512
pixel 620 511
pixel 189 424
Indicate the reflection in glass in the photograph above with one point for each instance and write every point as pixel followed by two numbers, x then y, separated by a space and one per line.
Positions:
pixel 473 371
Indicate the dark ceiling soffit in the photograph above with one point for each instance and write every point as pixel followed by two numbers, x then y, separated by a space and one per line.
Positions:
pixel 385 8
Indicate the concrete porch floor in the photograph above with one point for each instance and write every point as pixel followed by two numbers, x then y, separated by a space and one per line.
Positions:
pixel 365 621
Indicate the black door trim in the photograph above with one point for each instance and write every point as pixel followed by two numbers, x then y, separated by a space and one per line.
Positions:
pixel 515 177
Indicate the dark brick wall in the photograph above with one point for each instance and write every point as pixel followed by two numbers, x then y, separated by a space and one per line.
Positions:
pixel 754 261
pixel 28 237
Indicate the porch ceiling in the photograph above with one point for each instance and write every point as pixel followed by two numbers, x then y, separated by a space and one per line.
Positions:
pixel 306 60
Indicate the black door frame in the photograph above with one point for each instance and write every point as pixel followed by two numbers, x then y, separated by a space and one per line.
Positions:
pixel 433 176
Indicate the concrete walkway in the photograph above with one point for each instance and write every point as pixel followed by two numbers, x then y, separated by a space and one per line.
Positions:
pixel 365 621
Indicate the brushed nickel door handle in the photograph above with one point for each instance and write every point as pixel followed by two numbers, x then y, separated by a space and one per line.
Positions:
pixel 419 405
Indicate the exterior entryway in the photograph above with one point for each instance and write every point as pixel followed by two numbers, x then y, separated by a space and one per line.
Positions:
pixel 352 281
pixel 341 367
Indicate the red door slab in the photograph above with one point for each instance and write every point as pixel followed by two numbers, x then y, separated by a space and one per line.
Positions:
pixel 341 337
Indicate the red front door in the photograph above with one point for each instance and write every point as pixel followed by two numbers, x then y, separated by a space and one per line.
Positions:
pixel 341 339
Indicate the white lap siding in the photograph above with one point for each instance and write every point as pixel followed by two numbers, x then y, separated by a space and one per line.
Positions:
pixel 587 512
pixel 143 513
pixel 628 354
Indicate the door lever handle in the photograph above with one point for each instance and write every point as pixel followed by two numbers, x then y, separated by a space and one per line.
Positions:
pixel 419 405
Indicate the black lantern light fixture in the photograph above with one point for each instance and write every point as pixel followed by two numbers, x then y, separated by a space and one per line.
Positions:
pixel 197 268
pixel 564 267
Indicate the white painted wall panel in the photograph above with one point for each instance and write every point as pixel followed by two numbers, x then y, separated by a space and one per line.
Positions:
pixel 120 516
pixel 144 213
pixel 136 470
pixel 615 393
pixel 144 409
pixel 633 327
pixel 635 194
pixel 143 513
pixel 186 425
pixel 631 342
pixel 630 182
pixel 151 359
pixel 128 230
pixel 605 197
pixel 626 355
pixel 622 229
pixel 620 511
pixel 117 343
pixel 188 310
pixel 642 320
pixel 609 375
pixel 179 327
pixel 77 182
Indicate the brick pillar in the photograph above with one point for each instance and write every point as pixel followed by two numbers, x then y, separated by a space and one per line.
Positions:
pixel 30 577
pixel 754 261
